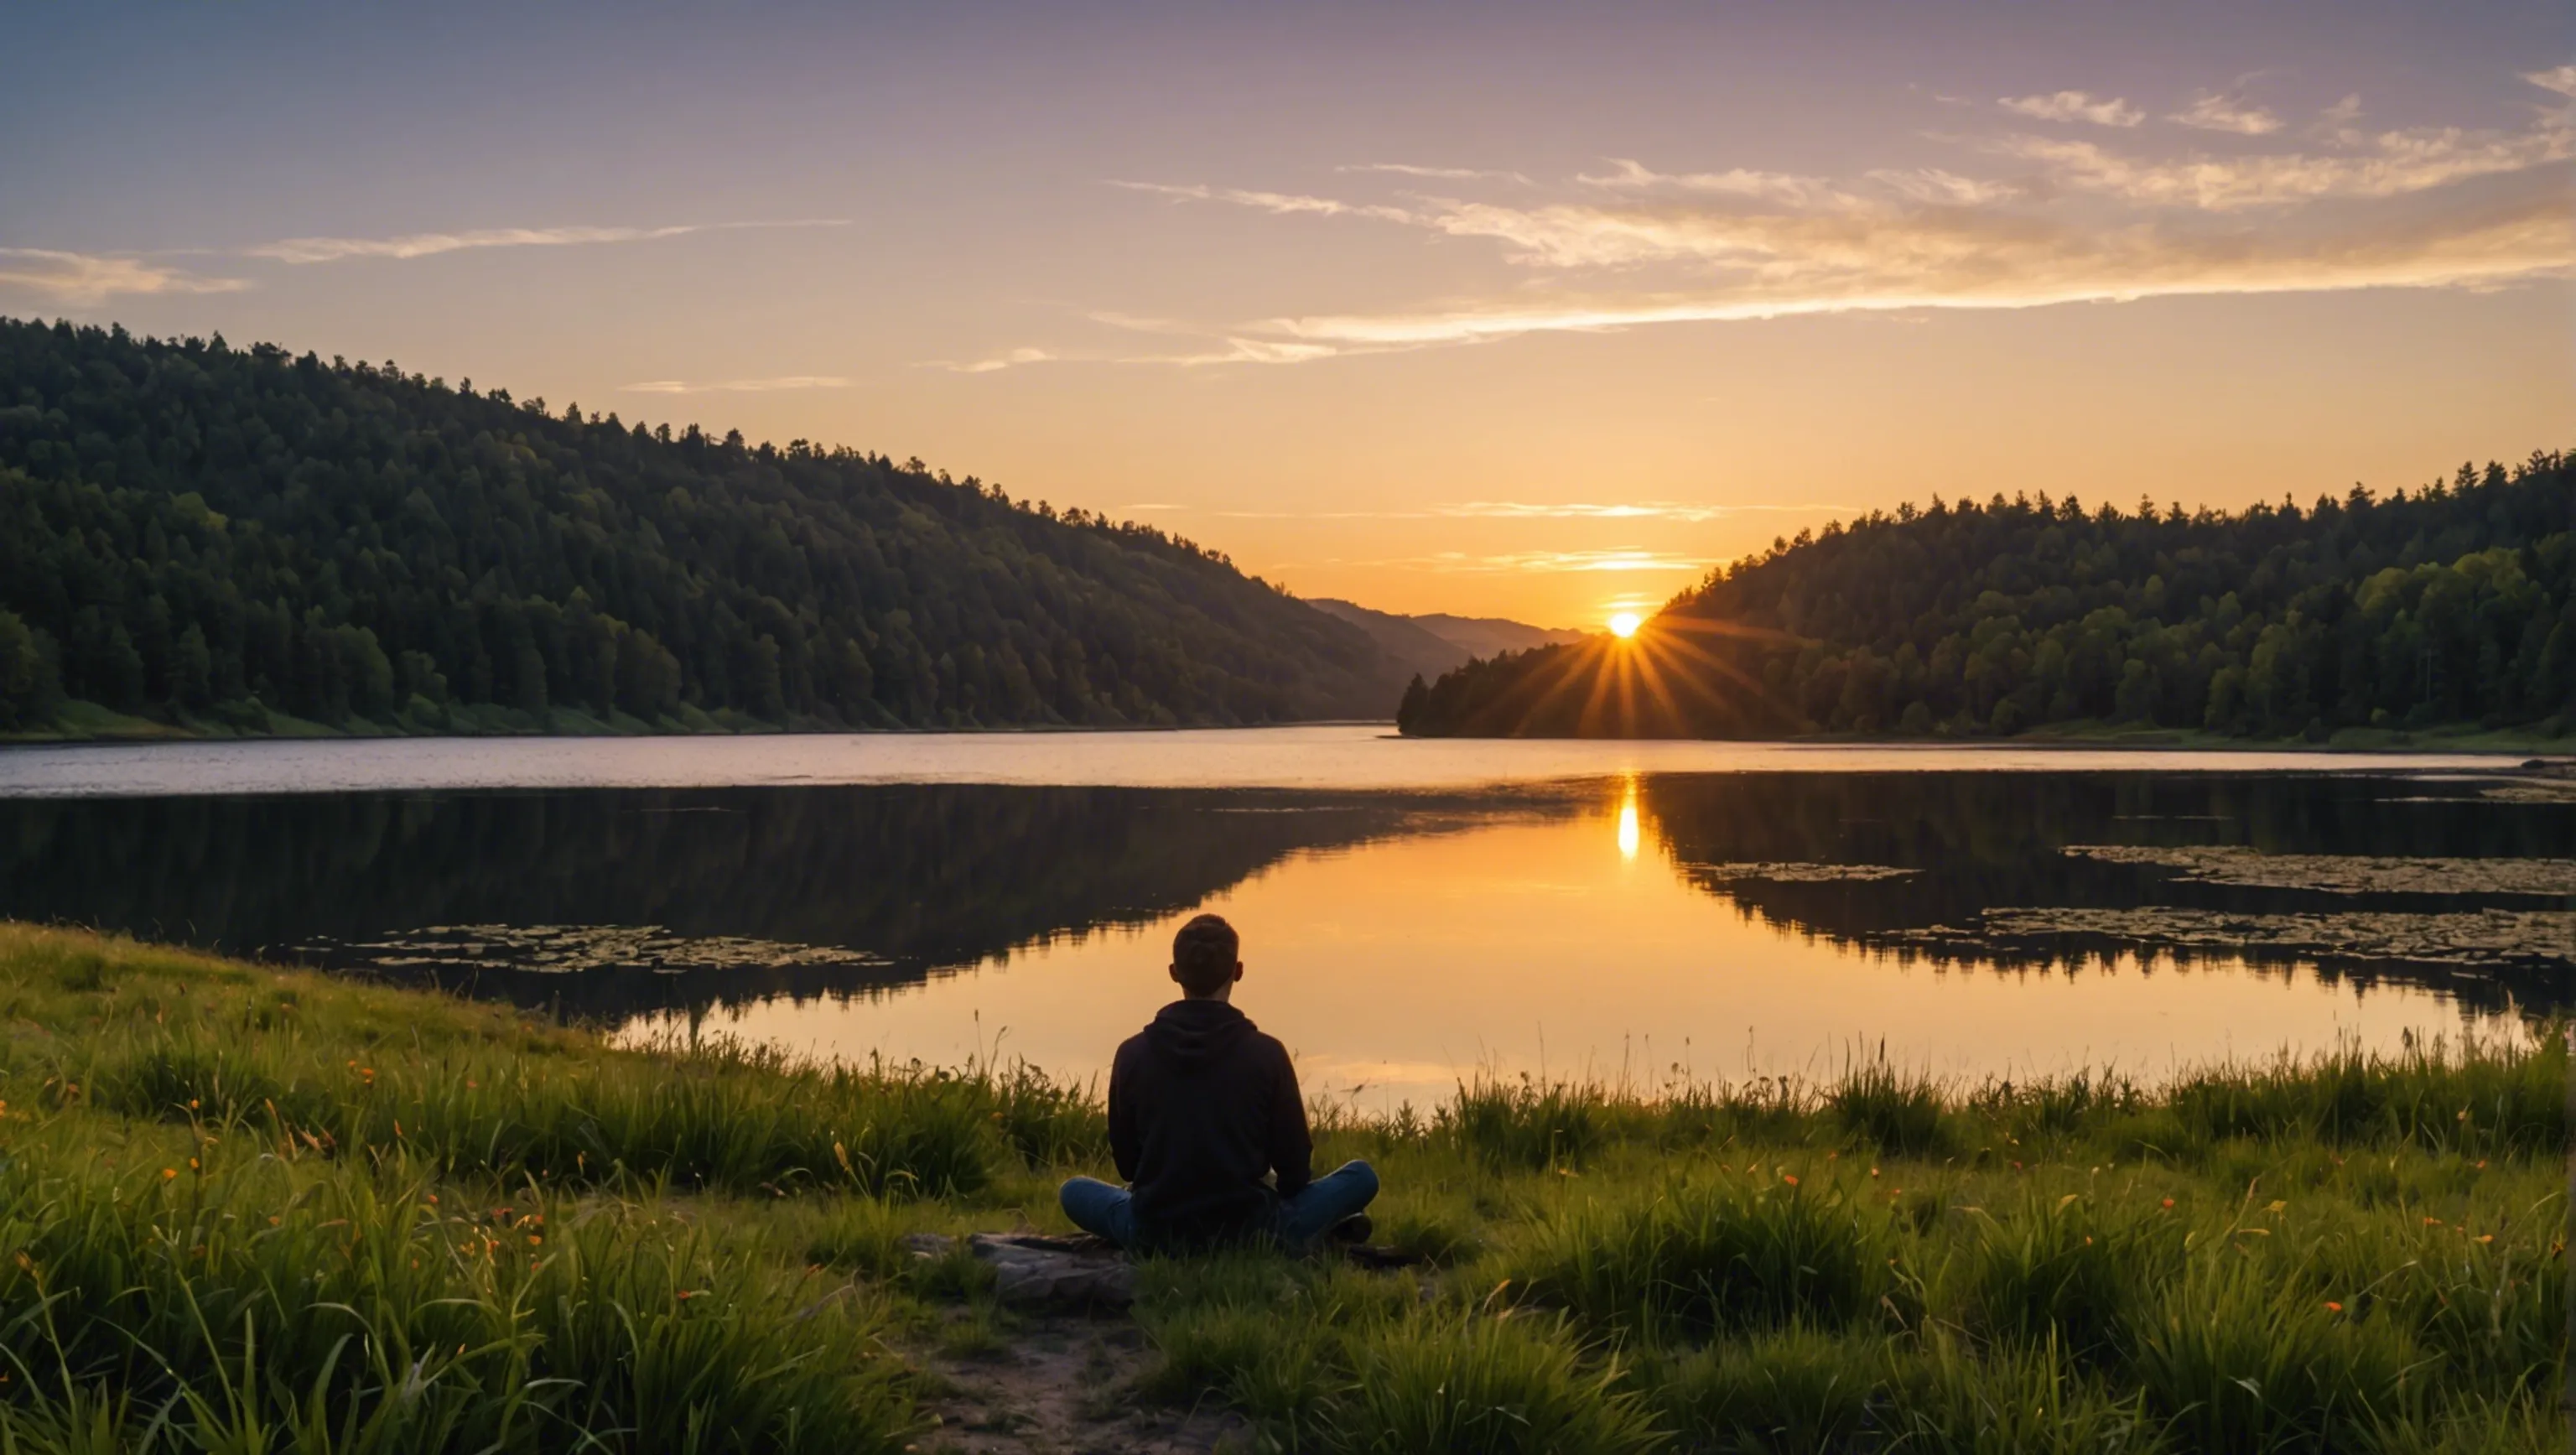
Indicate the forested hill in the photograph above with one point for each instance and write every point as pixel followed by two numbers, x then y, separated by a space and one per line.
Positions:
pixel 2450 605
pixel 206 534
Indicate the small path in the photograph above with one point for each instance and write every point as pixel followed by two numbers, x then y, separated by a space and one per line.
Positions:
pixel 1064 1385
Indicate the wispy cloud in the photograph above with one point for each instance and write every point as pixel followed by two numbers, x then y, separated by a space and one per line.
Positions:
pixel 1945 188
pixel 1285 203
pixel 82 279
pixel 736 386
pixel 1672 510
pixel 1553 562
pixel 2075 106
pixel 2338 123
pixel 1786 187
pixel 1685 512
pixel 1223 350
pixel 996 363
pixel 2392 164
pixel 2211 112
pixel 1444 174
pixel 1931 261
pixel 301 250
pixel 2063 220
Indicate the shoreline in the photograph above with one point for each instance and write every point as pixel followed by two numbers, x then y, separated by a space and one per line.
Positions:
pixel 2451 739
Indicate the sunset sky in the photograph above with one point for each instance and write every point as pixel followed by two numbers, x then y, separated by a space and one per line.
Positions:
pixel 1534 311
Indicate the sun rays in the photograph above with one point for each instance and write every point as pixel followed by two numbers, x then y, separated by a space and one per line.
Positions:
pixel 1669 675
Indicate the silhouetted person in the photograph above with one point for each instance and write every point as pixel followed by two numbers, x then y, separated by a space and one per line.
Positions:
pixel 1203 1107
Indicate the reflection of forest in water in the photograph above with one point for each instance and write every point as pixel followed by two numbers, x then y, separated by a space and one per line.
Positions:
pixel 606 903
pixel 2425 881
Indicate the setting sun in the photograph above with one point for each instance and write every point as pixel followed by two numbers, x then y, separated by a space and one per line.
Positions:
pixel 1625 624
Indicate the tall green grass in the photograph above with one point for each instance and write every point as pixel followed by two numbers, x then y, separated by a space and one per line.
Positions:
pixel 1728 1250
pixel 2472 1100
pixel 721 1116
pixel 240 1300
pixel 248 1211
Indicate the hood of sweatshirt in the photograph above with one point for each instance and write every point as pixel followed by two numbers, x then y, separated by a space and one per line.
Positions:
pixel 1188 1034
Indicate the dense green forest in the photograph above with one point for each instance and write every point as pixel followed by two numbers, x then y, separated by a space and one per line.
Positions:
pixel 212 536
pixel 2455 604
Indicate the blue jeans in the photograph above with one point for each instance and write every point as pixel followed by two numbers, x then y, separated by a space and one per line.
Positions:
pixel 1303 1218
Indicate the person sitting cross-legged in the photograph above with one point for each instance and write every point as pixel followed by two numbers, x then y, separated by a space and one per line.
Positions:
pixel 1203 1106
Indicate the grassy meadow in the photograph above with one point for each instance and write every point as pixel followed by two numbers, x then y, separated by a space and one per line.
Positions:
pixel 246 1210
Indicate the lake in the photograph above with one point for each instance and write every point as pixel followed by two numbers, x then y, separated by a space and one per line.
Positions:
pixel 1414 913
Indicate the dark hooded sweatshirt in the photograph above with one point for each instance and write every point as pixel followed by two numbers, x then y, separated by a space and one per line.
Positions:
pixel 1201 1106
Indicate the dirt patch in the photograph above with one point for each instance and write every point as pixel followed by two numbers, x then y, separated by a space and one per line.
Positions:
pixel 1064 1385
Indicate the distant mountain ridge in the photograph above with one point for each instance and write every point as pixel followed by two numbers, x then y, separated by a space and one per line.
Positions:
pixel 1488 636
pixel 211 537
pixel 1437 643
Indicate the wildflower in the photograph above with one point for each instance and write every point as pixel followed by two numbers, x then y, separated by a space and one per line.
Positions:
pixel 192 1164
pixel 1790 1178
pixel 2432 1222
pixel 1873 1172
pixel 2169 1202
pixel 2486 1237
pixel 167 1173
pixel 2333 1307
pixel 534 1240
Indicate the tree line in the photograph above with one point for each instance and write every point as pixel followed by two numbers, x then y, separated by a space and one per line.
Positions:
pixel 2453 604
pixel 213 535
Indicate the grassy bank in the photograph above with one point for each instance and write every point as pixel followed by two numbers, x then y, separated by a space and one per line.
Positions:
pixel 247 1210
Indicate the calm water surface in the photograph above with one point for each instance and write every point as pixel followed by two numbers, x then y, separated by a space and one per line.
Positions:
pixel 1413 912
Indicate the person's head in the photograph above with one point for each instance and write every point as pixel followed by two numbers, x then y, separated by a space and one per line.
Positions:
pixel 1206 958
